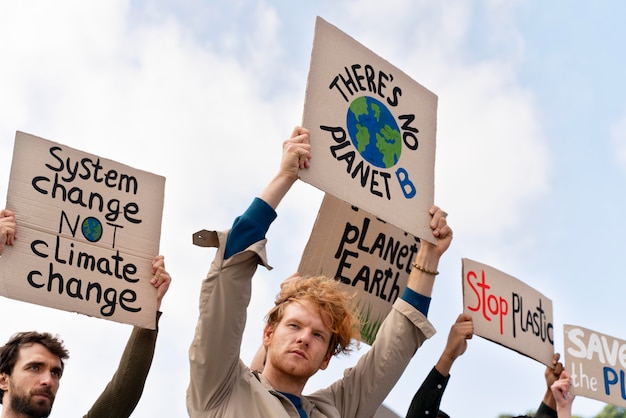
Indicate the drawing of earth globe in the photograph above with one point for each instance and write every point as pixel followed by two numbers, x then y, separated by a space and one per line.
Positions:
pixel 374 132
pixel 92 229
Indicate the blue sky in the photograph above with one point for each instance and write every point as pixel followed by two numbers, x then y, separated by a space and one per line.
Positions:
pixel 531 158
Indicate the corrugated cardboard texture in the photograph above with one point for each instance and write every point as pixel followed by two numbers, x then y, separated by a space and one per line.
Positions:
pixel 507 311
pixel 597 365
pixel 88 229
pixel 371 257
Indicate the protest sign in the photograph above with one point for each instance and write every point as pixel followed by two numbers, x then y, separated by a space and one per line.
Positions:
pixel 507 311
pixel 597 365
pixel 369 256
pixel 88 229
pixel 372 132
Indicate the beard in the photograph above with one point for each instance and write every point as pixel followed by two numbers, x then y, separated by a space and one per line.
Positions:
pixel 24 403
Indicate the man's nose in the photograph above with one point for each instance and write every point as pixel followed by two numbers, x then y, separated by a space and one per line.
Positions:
pixel 46 378
pixel 305 337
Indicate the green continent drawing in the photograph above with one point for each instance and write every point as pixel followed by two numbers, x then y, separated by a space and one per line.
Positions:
pixel 92 229
pixel 374 132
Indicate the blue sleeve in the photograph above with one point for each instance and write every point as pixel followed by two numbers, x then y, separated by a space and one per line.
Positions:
pixel 417 300
pixel 249 227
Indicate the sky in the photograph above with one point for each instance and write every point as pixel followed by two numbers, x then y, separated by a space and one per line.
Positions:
pixel 530 162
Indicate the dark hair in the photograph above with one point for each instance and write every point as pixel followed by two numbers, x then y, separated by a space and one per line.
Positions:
pixel 10 351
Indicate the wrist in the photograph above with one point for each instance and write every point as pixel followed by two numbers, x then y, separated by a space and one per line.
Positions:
pixel 277 189
pixel 444 365
pixel 424 269
pixel 426 261
pixel 549 400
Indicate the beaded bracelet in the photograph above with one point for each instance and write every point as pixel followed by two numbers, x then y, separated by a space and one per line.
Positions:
pixel 422 269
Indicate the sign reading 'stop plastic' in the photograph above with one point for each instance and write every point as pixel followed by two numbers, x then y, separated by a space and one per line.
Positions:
pixel 507 311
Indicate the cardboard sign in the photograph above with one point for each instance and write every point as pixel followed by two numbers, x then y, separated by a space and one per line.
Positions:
pixel 372 132
pixel 597 365
pixel 369 256
pixel 88 229
pixel 508 312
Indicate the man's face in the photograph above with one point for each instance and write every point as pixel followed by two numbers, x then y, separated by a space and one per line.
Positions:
pixel 298 345
pixel 33 384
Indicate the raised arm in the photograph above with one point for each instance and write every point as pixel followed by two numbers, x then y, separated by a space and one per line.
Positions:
pixel 424 271
pixel 461 331
pixel 8 228
pixel 121 395
pixel 296 155
pixel 215 366
pixel 428 397
pixel 552 374
pixel 562 395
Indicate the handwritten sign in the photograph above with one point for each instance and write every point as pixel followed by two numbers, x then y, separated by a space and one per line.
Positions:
pixel 597 364
pixel 88 229
pixel 372 132
pixel 365 253
pixel 507 311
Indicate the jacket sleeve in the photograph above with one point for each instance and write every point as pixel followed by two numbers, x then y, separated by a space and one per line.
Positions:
pixel 545 411
pixel 121 395
pixel 427 399
pixel 365 386
pixel 224 298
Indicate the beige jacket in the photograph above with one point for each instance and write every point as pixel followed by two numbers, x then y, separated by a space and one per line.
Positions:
pixel 221 385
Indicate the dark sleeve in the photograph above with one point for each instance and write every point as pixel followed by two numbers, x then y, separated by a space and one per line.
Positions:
pixel 250 227
pixel 120 397
pixel 545 411
pixel 425 403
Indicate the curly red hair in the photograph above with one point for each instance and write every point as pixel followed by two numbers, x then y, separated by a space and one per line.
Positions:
pixel 333 302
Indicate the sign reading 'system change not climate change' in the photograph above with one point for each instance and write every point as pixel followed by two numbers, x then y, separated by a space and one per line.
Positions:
pixel 372 132
pixel 88 229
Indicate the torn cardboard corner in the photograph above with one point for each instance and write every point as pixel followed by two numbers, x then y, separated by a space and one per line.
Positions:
pixel 205 238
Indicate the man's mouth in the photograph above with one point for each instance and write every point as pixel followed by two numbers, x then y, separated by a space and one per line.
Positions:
pixel 299 353
pixel 44 394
